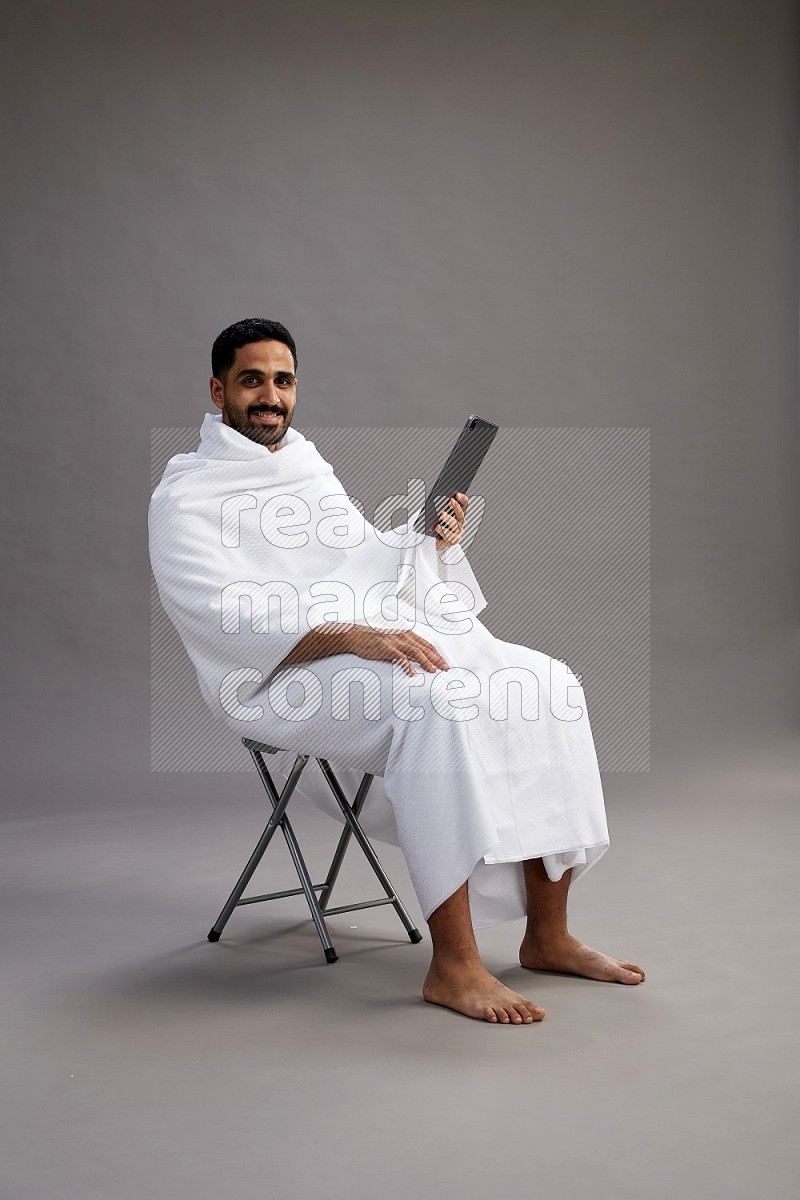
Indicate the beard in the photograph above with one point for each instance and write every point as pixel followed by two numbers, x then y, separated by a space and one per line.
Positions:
pixel 250 427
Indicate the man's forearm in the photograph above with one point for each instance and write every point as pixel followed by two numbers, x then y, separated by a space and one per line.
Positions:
pixel 321 642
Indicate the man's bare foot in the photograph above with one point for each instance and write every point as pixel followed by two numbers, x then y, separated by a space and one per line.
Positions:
pixel 567 954
pixel 473 991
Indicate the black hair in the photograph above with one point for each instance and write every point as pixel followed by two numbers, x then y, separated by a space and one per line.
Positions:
pixel 252 329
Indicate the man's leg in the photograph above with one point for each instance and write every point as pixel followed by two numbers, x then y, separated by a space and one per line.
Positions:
pixel 549 946
pixel 458 979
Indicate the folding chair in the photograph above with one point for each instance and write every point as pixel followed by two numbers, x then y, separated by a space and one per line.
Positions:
pixel 280 819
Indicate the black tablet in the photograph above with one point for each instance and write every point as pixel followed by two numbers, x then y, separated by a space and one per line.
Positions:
pixel 458 472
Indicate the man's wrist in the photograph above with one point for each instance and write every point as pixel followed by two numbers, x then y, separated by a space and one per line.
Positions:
pixel 321 642
pixel 335 637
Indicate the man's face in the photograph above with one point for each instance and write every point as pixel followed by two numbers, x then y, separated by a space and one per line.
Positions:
pixel 258 397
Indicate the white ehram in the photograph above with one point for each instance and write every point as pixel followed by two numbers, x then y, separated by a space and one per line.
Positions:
pixel 473 773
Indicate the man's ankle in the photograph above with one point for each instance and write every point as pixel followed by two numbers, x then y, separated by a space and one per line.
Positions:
pixel 451 962
pixel 546 934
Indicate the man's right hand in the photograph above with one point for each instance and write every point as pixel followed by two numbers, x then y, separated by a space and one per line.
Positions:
pixel 392 645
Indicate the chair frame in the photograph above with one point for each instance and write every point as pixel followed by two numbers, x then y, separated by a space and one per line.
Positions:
pixel 279 819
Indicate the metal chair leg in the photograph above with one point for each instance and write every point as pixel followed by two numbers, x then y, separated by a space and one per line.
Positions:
pixel 278 818
pixel 343 843
pixel 372 858
pixel 278 810
pixel 310 894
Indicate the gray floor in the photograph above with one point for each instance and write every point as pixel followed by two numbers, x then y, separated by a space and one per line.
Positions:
pixel 141 1060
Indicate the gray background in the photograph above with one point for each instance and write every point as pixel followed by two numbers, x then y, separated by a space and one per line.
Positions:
pixel 561 214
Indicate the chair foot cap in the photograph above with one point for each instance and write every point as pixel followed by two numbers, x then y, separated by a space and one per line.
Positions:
pixel 213 936
pixel 331 955
pixel 415 935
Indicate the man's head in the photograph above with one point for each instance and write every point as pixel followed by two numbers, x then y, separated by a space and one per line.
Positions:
pixel 254 379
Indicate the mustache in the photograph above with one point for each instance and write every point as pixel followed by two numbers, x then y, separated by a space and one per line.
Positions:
pixel 265 408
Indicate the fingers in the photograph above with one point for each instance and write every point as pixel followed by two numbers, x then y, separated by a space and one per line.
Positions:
pixel 451 524
pixel 410 645
pixel 426 662
pixel 445 528
pixel 402 647
pixel 429 654
pixel 404 664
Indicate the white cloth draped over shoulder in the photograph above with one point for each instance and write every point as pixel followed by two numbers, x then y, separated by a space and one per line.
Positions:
pixel 477 768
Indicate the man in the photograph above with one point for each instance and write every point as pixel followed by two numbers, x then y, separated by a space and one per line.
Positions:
pixel 496 813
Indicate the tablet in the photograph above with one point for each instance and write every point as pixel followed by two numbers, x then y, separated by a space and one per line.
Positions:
pixel 458 472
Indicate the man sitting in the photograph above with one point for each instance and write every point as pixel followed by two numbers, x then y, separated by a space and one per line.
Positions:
pixel 508 802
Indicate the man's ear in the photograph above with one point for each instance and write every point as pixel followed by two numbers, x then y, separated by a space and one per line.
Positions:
pixel 216 390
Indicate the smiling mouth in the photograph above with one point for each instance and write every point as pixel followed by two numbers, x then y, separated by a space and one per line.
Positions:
pixel 265 416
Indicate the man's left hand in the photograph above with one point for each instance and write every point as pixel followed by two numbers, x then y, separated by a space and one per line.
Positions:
pixel 450 527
